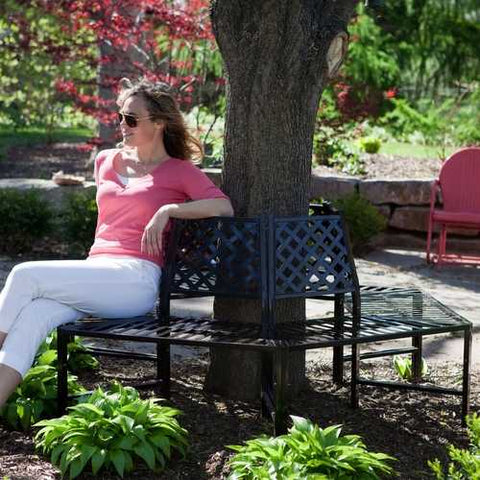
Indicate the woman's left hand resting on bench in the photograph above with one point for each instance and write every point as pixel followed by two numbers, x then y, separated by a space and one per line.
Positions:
pixel 140 187
pixel 153 234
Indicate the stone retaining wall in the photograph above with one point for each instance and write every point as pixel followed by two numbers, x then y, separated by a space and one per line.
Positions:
pixel 405 203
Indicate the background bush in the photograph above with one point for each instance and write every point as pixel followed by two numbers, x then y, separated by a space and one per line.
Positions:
pixel 79 219
pixel 25 217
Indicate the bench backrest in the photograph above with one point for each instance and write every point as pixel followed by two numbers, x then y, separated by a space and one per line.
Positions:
pixel 266 257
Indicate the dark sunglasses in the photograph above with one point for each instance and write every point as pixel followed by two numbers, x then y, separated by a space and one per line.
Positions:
pixel 130 120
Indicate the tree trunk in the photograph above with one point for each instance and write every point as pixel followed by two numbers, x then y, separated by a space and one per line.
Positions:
pixel 276 61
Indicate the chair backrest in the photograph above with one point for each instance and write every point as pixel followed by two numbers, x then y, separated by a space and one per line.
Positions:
pixel 460 181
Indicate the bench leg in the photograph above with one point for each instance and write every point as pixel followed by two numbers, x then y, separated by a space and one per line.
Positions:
pixel 338 351
pixel 274 389
pixel 280 391
pixel 417 342
pixel 62 372
pixel 163 368
pixel 267 387
pixel 355 375
pixel 467 350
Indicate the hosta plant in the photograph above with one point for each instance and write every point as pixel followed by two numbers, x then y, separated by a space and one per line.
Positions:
pixel 36 397
pixel 310 453
pixel 112 430
pixel 464 463
pixel 403 367
pixel 78 357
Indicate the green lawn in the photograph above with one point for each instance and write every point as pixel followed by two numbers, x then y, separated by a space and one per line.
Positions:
pixel 33 136
pixel 417 151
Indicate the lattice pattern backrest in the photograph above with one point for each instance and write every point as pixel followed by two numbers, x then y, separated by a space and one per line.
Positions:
pixel 312 256
pixel 218 257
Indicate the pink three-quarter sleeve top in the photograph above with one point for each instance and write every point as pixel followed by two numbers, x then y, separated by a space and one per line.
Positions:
pixel 125 210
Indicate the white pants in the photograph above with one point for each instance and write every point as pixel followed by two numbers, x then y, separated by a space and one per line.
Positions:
pixel 39 296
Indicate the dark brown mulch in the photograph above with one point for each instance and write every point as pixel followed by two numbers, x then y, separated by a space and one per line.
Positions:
pixel 413 427
pixel 40 161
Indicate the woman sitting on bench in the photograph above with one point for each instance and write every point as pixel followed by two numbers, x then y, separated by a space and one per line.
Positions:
pixel 139 188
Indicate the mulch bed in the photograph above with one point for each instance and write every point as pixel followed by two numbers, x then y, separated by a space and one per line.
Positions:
pixel 40 161
pixel 412 427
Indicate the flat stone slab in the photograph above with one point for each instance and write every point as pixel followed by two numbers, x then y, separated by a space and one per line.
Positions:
pixel 332 187
pixel 399 192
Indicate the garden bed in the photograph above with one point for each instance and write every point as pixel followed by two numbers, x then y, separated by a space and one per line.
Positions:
pixel 413 427
pixel 40 161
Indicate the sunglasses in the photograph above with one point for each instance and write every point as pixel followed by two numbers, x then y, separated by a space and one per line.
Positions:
pixel 130 120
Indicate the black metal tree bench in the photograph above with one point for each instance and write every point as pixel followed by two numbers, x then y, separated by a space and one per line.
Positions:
pixel 267 259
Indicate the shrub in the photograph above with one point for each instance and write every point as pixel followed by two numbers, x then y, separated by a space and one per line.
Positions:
pixel 403 367
pixel 78 358
pixel 464 463
pixel 36 397
pixel 331 147
pixel 307 452
pixel 370 144
pixel 112 429
pixel 25 217
pixel 363 220
pixel 80 220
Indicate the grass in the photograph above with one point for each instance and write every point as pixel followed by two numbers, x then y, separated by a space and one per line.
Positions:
pixel 416 151
pixel 34 136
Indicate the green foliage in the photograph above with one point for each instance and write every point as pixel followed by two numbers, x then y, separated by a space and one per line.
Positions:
pixel 308 452
pixel 78 358
pixel 434 43
pixel 25 217
pixel 370 61
pixel 28 75
pixel 79 219
pixel 403 367
pixel 332 147
pixel 112 430
pixel 363 220
pixel 36 397
pixel 405 120
pixel 370 144
pixel 464 463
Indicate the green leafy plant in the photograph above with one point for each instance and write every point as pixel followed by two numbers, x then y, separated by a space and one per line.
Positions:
pixel 464 463
pixel 36 397
pixel 308 452
pixel 331 147
pixel 25 217
pixel 78 358
pixel 370 144
pixel 403 367
pixel 112 429
pixel 363 220
pixel 79 218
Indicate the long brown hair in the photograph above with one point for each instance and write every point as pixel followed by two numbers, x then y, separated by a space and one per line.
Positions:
pixel 161 105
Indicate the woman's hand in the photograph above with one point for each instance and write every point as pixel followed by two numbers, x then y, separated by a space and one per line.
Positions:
pixel 153 234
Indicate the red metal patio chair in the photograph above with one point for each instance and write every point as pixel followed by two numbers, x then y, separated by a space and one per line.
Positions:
pixel 459 185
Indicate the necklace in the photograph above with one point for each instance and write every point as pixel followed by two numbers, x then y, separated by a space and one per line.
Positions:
pixel 143 168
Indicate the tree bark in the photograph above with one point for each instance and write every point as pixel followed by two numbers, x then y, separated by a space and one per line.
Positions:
pixel 275 55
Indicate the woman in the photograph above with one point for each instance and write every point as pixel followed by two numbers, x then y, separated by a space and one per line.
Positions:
pixel 136 196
